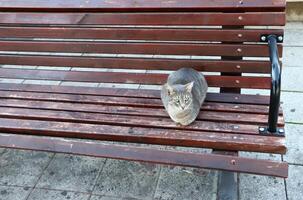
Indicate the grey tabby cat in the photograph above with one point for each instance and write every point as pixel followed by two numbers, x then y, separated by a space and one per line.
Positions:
pixel 183 95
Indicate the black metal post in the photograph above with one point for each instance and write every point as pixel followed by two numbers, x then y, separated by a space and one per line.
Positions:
pixel 228 186
pixel 275 84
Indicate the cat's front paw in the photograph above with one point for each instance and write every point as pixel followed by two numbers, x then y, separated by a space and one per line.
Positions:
pixel 181 125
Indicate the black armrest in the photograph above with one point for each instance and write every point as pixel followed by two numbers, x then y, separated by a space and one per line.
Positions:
pixel 275 88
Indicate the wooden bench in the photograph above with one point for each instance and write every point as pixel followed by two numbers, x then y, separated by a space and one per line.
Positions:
pixel 228 40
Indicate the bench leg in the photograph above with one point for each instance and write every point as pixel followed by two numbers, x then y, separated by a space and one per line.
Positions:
pixel 227 186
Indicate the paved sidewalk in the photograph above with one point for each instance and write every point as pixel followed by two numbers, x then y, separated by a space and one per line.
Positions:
pixel 31 175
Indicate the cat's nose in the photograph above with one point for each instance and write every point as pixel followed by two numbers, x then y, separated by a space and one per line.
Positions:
pixel 182 107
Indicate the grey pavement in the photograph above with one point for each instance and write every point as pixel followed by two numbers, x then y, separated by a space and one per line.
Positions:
pixel 32 175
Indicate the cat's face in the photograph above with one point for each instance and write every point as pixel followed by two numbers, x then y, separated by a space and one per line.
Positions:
pixel 180 96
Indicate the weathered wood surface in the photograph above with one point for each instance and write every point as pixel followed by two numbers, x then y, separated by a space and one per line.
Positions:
pixel 251 50
pixel 116 92
pixel 227 122
pixel 215 140
pixel 134 119
pixel 207 106
pixel 132 78
pixel 89 148
pixel 137 63
pixel 193 19
pixel 142 5
pixel 167 34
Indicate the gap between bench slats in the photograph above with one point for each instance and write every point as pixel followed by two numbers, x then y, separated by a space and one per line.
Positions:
pixel 132 5
pixel 224 141
pixel 138 63
pixel 89 148
pixel 131 78
pixel 209 49
pixel 189 19
pixel 167 34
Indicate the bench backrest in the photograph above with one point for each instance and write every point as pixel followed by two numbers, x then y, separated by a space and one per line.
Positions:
pixel 222 37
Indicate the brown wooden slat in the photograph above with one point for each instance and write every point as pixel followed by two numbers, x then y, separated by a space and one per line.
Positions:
pixel 118 92
pixel 194 19
pixel 138 33
pixel 212 115
pixel 139 78
pixel 224 141
pixel 137 63
pixel 125 120
pixel 259 50
pixel 132 5
pixel 231 116
pixel 89 148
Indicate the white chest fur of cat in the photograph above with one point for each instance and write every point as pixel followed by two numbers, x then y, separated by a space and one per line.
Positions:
pixel 183 95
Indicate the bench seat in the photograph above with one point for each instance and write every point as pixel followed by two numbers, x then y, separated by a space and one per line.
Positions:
pixel 236 44
pixel 226 122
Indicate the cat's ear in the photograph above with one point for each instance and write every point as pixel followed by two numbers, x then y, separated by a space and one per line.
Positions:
pixel 170 90
pixel 189 86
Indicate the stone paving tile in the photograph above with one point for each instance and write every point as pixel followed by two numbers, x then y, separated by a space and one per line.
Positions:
pixel 134 56
pixel 150 87
pixel 294 183
pixel 254 187
pixel 189 149
pixel 158 71
pixel 19 66
pixel 2 150
pixel 99 55
pixel 89 69
pixel 13 193
pixel 22 168
pixel 204 57
pixel 127 144
pixel 96 197
pixel 54 68
pixel 293 37
pixel 63 54
pixel 10 52
pixel 115 85
pixel 73 173
pixel 264 156
pixel 292 56
pixel 180 183
pixel 172 56
pixel 291 79
pixel 41 82
pixel 6 80
pixel 294 25
pixel 292 106
pixel 44 194
pixel 294 143
pixel 255 92
pixel 82 84
pixel 128 70
pixel 127 179
pixel 213 90
pixel 35 53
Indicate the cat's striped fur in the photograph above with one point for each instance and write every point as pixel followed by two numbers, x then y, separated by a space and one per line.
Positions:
pixel 183 95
